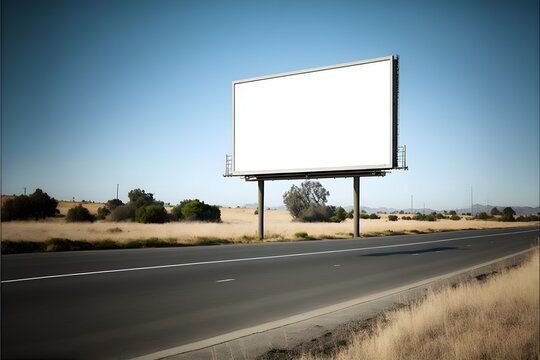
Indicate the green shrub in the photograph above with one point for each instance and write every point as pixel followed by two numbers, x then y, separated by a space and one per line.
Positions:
pixel 79 214
pixel 124 212
pixel 364 215
pixel 423 217
pixel 301 235
pixel 151 214
pixel 102 213
pixel 482 216
pixel 196 210
pixel 17 247
pixel 56 244
pixel 339 216
pixel 393 218
pixel 440 216
pixel 455 217
pixel 38 205
pixel 176 213
pixel 406 218
pixel 374 216
pixel 528 218
pixel 317 213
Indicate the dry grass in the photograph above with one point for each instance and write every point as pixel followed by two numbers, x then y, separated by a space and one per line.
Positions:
pixel 497 319
pixel 238 225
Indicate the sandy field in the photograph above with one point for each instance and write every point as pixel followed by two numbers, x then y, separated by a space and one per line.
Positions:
pixel 238 224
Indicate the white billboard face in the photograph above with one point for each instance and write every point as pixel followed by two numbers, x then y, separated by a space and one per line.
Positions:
pixel 329 119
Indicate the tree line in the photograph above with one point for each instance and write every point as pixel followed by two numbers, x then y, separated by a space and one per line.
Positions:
pixel 141 207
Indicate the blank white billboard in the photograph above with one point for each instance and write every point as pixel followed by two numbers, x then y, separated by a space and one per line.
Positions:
pixel 338 118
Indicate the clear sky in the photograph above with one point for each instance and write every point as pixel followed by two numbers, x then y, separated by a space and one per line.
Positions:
pixel 138 93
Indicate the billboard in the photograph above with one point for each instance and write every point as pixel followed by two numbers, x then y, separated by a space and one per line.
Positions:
pixel 335 119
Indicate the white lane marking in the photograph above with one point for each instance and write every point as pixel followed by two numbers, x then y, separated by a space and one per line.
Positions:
pixel 225 280
pixel 416 254
pixel 211 262
pixel 337 265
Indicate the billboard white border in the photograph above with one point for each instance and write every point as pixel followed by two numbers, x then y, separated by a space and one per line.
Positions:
pixel 334 171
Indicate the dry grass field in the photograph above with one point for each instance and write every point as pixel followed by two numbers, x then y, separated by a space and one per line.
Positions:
pixel 237 225
pixel 497 319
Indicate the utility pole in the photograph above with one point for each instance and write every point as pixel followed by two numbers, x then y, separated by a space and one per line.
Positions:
pixel 472 209
pixel 25 191
pixel 412 208
pixel 117 185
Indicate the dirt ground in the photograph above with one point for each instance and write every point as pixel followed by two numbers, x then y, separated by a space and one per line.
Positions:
pixel 237 224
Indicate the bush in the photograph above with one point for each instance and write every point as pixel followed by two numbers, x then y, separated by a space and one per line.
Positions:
pixel 528 218
pixel 440 216
pixel 339 216
pixel 124 212
pixel 154 214
pixel 423 217
pixel 301 235
pixel 508 214
pixel 196 210
pixel 482 216
pixel 455 217
pixel 392 217
pixel 102 213
pixel 176 213
pixel 374 216
pixel 79 214
pixel 495 212
pixel 317 213
pixel 364 215
pixel 38 205
pixel 406 218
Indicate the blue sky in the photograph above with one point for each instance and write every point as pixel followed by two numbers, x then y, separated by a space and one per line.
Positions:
pixel 138 93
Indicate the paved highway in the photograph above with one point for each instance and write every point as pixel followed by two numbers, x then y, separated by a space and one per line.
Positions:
pixel 127 303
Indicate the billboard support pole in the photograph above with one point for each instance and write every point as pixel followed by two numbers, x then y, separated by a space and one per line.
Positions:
pixel 261 209
pixel 356 204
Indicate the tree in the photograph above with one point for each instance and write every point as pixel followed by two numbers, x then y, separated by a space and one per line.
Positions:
pixel 140 198
pixel 495 212
pixel 114 203
pixel 309 194
pixel 508 214
pixel 38 205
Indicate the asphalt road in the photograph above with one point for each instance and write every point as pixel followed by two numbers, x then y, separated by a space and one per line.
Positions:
pixel 127 303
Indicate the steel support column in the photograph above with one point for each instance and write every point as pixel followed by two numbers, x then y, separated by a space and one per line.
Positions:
pixel 261 209
pixel 356 204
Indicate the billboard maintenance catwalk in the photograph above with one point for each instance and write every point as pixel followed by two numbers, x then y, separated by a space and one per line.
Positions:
pixel 353 106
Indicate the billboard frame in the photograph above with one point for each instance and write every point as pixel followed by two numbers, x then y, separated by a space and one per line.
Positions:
pixel 324 172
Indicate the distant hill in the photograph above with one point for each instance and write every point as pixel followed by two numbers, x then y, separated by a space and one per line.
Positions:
pixel 520 210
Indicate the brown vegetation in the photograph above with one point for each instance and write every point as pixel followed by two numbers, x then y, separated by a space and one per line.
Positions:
pixel 237 225
pixel 497 319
